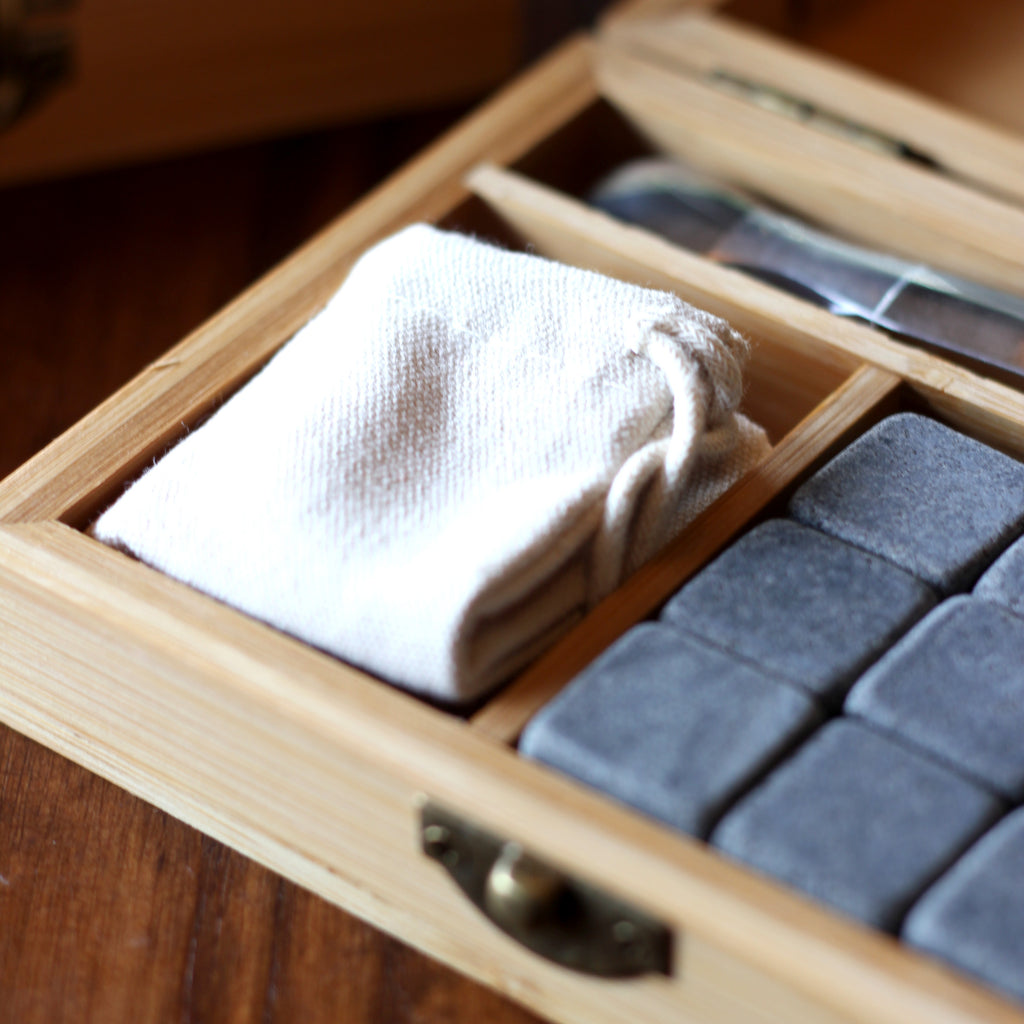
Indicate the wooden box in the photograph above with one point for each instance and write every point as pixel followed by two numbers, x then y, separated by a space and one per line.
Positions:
pixel 137 81
pixel 322 773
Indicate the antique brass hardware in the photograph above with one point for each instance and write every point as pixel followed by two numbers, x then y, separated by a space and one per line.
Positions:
pixel 557 916
pixel 33 61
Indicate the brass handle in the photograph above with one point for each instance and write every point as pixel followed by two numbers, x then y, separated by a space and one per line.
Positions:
pixel 523 893
pixel 32 62
pixel 554 914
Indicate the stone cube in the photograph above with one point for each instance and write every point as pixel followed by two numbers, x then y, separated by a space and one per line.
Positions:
pixel 973 917
pixel 669 725
pixel 802 605
pixel 927 498
pixel 857 821
pixel 954 687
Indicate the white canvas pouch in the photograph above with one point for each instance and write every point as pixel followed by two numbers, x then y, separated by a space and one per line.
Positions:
pixel 445 468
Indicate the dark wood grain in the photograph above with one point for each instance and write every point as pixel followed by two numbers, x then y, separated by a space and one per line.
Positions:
pixel 110 910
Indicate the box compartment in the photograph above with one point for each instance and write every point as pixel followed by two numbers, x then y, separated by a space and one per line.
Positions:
pixel 319 771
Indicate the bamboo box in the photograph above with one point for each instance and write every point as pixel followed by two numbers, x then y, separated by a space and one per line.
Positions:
pixel 344 783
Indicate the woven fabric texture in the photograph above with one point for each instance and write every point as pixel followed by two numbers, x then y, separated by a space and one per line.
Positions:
pixel 455 459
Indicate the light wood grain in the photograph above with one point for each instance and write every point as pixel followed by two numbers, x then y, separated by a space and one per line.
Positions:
pixel 697 44
pixel 314 770
pixel 867 196
pixel 569 230
pixel 823 346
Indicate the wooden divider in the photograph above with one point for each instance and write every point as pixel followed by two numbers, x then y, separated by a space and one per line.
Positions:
pixel 834 421
pixel 889 203
pixel 698 45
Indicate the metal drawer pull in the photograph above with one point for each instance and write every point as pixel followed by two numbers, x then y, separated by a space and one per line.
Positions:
pixel 569 922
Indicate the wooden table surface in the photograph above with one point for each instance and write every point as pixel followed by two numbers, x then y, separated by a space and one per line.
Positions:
pixel 110 910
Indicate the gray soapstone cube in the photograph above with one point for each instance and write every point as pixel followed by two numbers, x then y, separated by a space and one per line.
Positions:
pixel 930 500
pixel 669 725
pixel 973 916
pixel 857 821
pixel 954 687
pixel 1003 582
pixel 802 605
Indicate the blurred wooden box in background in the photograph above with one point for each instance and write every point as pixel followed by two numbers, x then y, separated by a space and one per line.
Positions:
pixel 142 80
pixel 159 77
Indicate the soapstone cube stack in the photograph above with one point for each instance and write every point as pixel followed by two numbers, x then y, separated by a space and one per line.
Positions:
pixel 837 700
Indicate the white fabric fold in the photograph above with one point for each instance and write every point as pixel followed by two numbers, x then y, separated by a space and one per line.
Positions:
pixel 455 459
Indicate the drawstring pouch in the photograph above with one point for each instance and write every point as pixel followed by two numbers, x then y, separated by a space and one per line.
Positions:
pixel 439 474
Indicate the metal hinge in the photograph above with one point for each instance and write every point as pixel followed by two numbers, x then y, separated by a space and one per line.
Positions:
pixel 33 60
pixel 797 108
pixel 560 917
